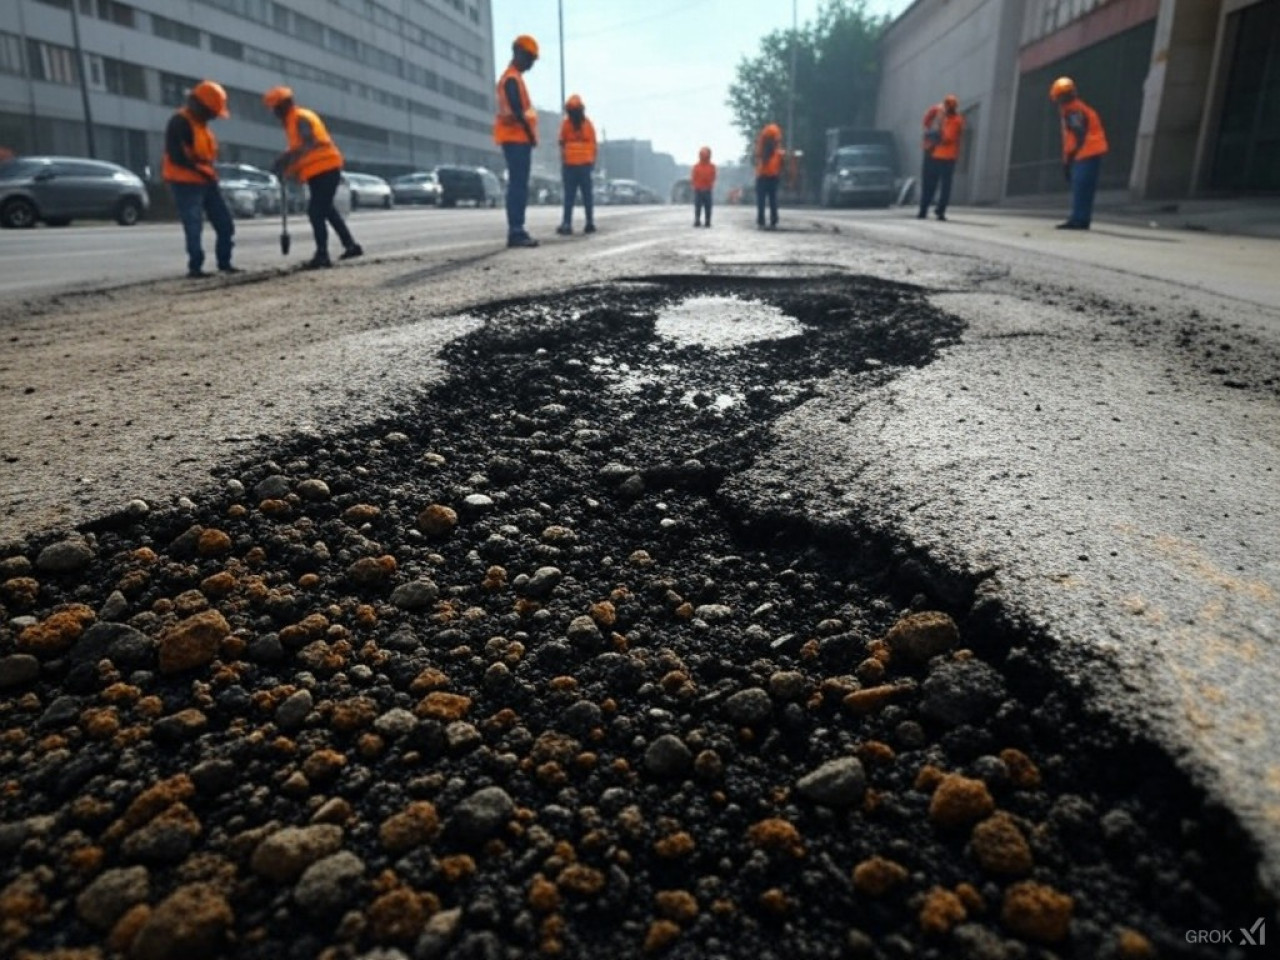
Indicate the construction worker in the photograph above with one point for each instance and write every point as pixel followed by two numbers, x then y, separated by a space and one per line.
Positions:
pixel 943 128
pixel 1084 143
pixel 768 171
pixel 190 151
pixel 703 180
pixel 578 162
pixel 515 129
pixel 313 159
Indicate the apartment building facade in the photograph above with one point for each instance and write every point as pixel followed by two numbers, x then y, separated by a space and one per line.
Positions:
pixel 402 84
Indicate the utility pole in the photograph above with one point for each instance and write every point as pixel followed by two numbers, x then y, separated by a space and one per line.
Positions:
pixel 790 137
pixel 560 9
pixel 84 83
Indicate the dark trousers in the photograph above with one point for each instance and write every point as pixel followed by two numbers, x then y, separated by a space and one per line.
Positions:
pixel 767 191
pixel 321 212
pixel 577 178
pixel 701 202
pixel 519 160
pixel 195 201
pixel 1084 184
pixel 936 175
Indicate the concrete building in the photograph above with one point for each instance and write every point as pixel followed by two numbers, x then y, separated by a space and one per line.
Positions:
pixel 636 160
pixel 1188 90
pixel 401 84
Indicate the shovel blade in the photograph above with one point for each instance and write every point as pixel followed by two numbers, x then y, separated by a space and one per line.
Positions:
pixel 284 244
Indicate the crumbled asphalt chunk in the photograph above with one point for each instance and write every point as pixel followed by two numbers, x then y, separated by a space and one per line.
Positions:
pixel 479 777
pixel 65 556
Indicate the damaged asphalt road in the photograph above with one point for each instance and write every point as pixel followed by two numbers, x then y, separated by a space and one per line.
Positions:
pixel 829 455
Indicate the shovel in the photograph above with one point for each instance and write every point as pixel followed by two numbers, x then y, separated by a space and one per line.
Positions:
pixel 284 220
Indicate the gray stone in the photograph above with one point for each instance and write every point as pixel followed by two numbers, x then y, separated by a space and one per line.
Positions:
pixel 314 490
pixel 113 892
pixel 329 884
pixel 65 556
pixel 17 669
pixel 482 814
pixel 415 595
pixel 114 607
pixel 288 852
pixel 293 711
pixel 583 630
pixel 543 581
pixel 667 756
pixel 961 691
pixel 632 487
pixel 713 612
pixel 397 722
pixel 749 707
pixel 273 487
pixel 118 642
pixel 837 783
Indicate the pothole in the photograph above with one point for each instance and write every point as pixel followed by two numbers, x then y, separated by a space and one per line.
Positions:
pixel 599 713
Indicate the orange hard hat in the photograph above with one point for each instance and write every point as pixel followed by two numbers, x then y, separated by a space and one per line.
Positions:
pixel 527 44
pixel 1063 86
pixel 277 95
pixel 574 103
pixel 772 130
pixel 704 154
pixel 212 96
pixel 950 100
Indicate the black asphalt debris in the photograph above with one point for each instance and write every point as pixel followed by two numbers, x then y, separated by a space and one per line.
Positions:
pixel 501 676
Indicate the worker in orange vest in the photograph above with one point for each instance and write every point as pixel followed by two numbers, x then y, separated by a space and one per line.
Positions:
pixel 578 162
pixel 703 180
pixel 943 128
pixel 190 151
pixel 515 129
pixel 1084 143
pixel 768 158
pixel 313 159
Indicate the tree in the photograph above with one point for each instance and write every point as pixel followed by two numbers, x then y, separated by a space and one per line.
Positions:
pixel 837 76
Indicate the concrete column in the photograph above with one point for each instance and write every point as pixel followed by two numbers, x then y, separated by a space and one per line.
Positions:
pixel 1175 96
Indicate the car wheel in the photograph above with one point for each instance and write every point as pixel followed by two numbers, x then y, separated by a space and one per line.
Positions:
pixel 129 212
pixel 18 214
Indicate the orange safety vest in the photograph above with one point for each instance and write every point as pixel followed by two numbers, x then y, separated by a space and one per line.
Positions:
pixel 1095 138
pixel 323 158
pixel 578 144
pixel 703 176
pixel 772 166
pixel 202 152
pixel 506 125
pixel 942 132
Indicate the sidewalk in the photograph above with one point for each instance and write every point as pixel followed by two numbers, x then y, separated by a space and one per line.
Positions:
pixel 1240 216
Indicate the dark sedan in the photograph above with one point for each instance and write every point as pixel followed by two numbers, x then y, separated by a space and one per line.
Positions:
pixel 60 189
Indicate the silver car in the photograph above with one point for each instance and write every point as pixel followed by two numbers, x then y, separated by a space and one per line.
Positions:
pixel 369 191
pixel 58 190
pixel 419 187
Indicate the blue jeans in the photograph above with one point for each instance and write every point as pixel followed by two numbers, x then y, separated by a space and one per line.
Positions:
pixel 767 190
pixel 519 159
pixel 575 178
pixel 321 212
pixel 701 202
pixel 934 174
pixel 195 201
pixel 1084 184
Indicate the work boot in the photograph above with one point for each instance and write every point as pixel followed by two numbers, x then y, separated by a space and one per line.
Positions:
pixel 521 240
pixel 697 223
pixel 353 251
pixel 589 228
pixel 1072 225
pixel 922 214
pixel 564 230
pixel 941 216
pixel 197 274
pixel 230 269
pixel 319 262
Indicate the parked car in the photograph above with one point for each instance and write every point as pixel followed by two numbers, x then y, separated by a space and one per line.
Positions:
pixel 60 189
pixel 420 187
pixel 369 191
pixel 468 184
pixel 546 190
pixel 240 180
pixel 860 173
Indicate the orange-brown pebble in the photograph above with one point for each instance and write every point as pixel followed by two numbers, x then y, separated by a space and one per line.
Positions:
pixel 876 876
pixel 1131 945
pixel 959 801
pixel 1037 912
pixel 150 803
pixel 685 611
pixel 20 591
pixel 437 520
pixel 100 723
pixel 354 714
pixel 774 901
pixel 563 684
pixel 580 879
pixel 871 671
pixel 941 911
pixel 275 508
pixel 439 705
pixel 149 707
pixel 218 585
pixel 371 746
pixel 323 765
pixel 457 867
pixel 544 896
pixel 871 699
pixel 675 846
pixel 213 543
pixel 875 751
pixel 678 905
pixel 1023 773
pixel 428 679
pixel 919 636
pixel 122 935
pixel 237 510
pixel 56 633
pixel 417 824
pixel 999 846
pixel 192 642
pixel 361 513
pixel 366 616
pixel 133 582
pixel 661 935
pixel 971 898
pixel 397 916
pixel 86 859
pixel 309 581
pixel 776 836
pixel 604 613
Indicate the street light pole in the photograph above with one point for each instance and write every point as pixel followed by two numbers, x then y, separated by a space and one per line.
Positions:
pixel 84 83
pixel 790 136
pixel 560 9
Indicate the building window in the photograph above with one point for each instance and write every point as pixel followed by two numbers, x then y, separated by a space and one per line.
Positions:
pixel 60 4
pixel 94 71
pixel 174 88
pixel 111 11
pixel 11 54
pixel 227 48
pixel 125 79
pixel 51 63
pixel 175 31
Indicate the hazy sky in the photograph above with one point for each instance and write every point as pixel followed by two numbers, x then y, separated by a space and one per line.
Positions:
pixel 656 70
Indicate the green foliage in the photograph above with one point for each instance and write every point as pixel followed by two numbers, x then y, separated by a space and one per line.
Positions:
pixel 837 75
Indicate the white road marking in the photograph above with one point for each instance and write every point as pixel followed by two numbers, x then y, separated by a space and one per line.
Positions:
pixel 625 248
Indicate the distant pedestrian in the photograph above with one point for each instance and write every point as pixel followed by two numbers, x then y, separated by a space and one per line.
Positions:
pixel 1084 144
pixel 943 128
pixel 578 163
pixel 768 158
pixel 314 159
pixel 190 151
pixel 703 180
pixel 515 129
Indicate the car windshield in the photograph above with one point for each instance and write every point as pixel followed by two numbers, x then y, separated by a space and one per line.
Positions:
pixel 863 155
